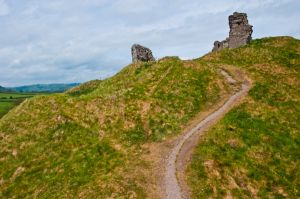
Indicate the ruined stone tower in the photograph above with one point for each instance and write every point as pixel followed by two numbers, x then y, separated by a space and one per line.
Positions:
pixel 239 35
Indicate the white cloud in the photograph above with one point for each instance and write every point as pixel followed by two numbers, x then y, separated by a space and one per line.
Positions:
pixel 74 40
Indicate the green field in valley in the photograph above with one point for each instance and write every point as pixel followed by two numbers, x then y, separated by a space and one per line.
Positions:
pixel 10 100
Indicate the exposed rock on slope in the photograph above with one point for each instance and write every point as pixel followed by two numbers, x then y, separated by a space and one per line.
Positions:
pixel 239 35
pixel 141 54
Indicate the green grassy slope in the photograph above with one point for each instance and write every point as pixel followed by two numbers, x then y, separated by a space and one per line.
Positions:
pixel 255 150
pixel 86 143
pixel 10 100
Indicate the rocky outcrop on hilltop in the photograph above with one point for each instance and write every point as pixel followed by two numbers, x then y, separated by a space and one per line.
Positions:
pixel 240 32
pixel 141 54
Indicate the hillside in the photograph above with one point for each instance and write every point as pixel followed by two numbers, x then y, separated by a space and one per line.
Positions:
pixel 8 100
pixel 12 96
pixel 254 151
pixel 89 142
pixel 3 89
pixel 97 139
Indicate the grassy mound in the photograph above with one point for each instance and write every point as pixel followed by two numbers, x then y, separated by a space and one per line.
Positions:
pixel 8 100
pixel 89 141
pixel 254 151
pixel 86 143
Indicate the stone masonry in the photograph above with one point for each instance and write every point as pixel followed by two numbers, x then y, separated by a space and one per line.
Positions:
pixel 239 35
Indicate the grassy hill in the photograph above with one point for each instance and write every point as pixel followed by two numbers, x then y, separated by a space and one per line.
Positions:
pixel 8 100
pixel 90 141
pixel 254 152
pixel 3 89
pixel 12 96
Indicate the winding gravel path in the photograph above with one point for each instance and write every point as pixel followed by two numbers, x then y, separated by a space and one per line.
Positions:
pixel 171 183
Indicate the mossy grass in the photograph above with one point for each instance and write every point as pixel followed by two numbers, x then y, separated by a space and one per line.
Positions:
pixel 254 150
pixel 87 142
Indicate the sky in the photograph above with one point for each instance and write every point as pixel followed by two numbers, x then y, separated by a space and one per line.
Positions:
pixel 63 41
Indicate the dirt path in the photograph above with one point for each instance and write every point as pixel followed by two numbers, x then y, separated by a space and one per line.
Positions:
pixel 175 186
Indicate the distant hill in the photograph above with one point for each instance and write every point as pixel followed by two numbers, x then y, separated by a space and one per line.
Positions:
pixel 3 89
pixel 36 88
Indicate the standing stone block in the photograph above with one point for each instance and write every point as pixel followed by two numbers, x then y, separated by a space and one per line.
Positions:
pixel 141 54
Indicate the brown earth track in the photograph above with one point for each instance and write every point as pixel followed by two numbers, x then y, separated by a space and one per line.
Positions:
pixel 174 180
